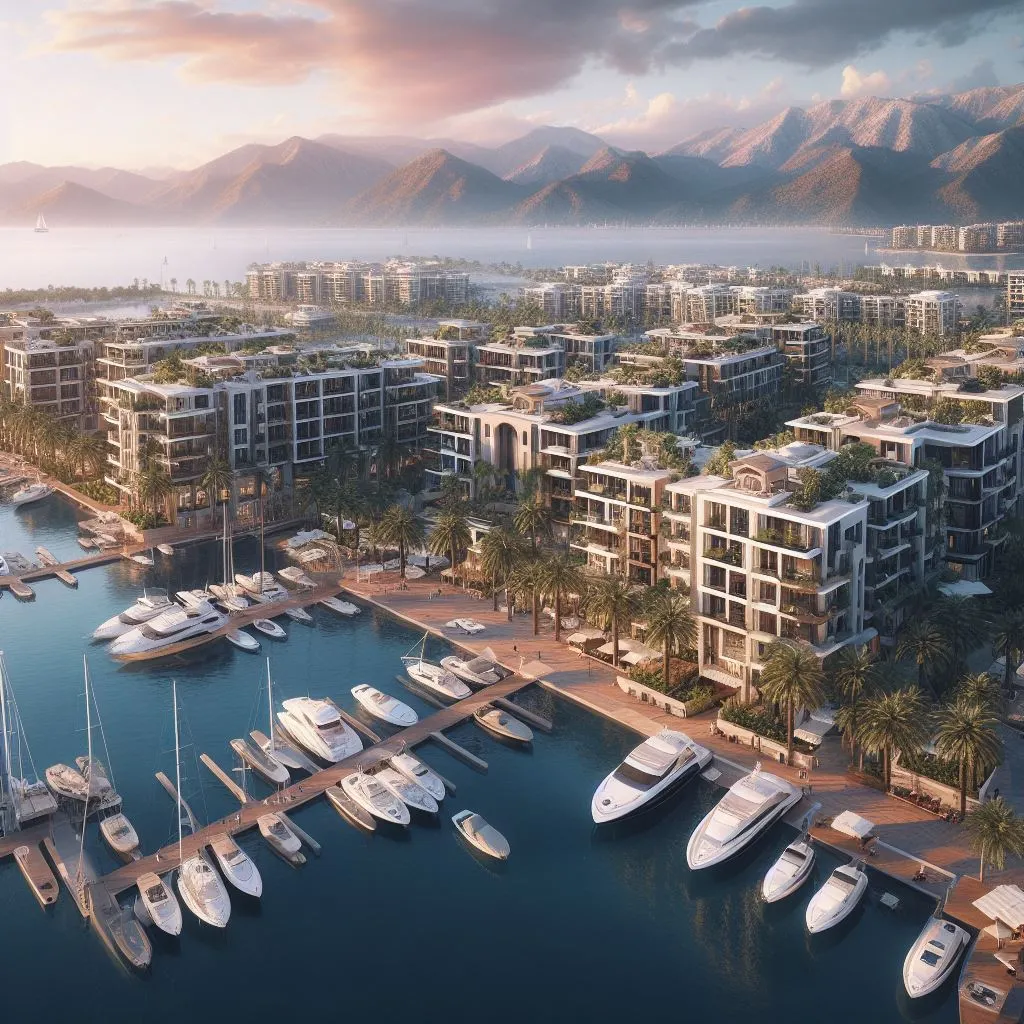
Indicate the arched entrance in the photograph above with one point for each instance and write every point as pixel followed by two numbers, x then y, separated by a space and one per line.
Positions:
pixel 505 456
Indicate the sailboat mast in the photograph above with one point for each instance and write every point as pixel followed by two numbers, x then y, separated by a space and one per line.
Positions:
pixel 3 717
pixel 270 707
pixel 88 779
pixel 177 762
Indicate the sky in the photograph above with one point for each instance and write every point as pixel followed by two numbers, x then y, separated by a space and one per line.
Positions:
pixel 146 84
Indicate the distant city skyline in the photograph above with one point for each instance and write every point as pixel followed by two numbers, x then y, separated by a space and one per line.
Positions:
pixel 161 84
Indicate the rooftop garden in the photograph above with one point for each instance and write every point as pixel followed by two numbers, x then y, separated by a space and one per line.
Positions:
pixel 576 411
pixel 479 394
pixel 630 443
pixel 669 373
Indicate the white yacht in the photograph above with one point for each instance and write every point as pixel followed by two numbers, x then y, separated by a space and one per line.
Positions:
pixel 433 677
pixel 484 837
pixel 262 584
pixel 383 706
pixel 502 724
pixel 649 773
pixel 281 838
pixel 837 898
pixel 230 595
pixel 352 812
pixel 202 890
pixel 470 626
pixel 369 794
pixel 240 639
pixel 298 615
pixel 141 558
pixel 237 865
pixel 169 627
pixel 268 627
pixel 933 956
pixel 789 872
pixel 317 726
pixel 297 578
pixel 750 807
pixel 412 794
pixel 148 607
pixel 416 771
pixel 335 604
pixel 166 549
pixel 32 492
pixel 192 598
pixel 159 902
pixel 119 834
pixel 261 762
pixel 475 671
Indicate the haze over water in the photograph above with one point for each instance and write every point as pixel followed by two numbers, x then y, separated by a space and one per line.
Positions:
pixel 579 926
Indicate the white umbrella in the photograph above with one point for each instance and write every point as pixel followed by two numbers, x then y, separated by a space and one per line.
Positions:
pixel 852 825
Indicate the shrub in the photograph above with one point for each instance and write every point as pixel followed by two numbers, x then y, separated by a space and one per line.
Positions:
pixel 758 718
pixel 932 767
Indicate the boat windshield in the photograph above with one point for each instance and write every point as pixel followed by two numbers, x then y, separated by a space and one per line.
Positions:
pixel 156 894
pixel 930 958
pixel 627 772
pixel 844 880
pixel 795 857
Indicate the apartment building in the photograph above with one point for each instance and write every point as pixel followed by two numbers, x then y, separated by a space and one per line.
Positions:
pixel 808 351
pixel 558 301
pixel 619 299
pixel 988 237
pixel 706 303
pixel 887 311
pixel 527 356
pixel 932 312
pixel 54 377
pixel 904 237
pixel 1015 294
pixel 762 300
pixel 451 353
pixel 822 304
pixel 977 238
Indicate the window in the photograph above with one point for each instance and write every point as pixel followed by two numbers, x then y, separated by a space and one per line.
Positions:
pixel 241 436
pixel 487 430
pixel 525 439
pixel 238 403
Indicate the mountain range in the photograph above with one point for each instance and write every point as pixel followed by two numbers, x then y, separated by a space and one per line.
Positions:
pixel 870 161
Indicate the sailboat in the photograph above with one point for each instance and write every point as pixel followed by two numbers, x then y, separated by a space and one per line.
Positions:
pixel 260 759
pixel 229 593
pixel 199 885
pixel 41 228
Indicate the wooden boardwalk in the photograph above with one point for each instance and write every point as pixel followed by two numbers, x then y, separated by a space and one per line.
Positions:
pixel 310 788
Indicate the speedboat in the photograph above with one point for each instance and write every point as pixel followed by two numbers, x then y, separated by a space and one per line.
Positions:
pixel 649 773
pixel 149 606
pixel 120 834
pixel 352 812
pixel 270 628
pixel 485 838
pixel 470 626
pixel 74 784
pixel 750 807
pixel 371 795
pixel 412 794
pixel 83 542
pixel 242 641
pixel 159 902
pixel 33 492
pixel 436 679
pixel 789 872
pixel 298 615
pixel 261 762
pixel 335 604
pixel 296 577
pixel 281 838
pixel 141 558
pixel 837 898
pixel 165 549
pixel 383 706
pixel 317 726
pixel 168 628
pixel 237 865
pixel 502 724
pixel 202 890
pixel 416 771
pixel 933 956
pixel 476 671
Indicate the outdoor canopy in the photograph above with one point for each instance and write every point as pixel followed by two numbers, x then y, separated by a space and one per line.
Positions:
pixel 853 825
pixel 1004 903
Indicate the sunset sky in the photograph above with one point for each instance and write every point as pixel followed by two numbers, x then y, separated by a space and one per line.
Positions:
pixel 176 82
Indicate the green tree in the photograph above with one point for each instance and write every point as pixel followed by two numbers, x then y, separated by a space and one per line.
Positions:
pixel 670 624
pixel 500 551
pixel 532 519
pixel 967 734
pixel 995 833
pixel 402 528
pixel 855 677
pixel 562 578
pixel 923 641
pixel 1008 640
pixel 895 721
pixel 217 479
pixel 614 602
pixel 451 535
pixel 527 580
pixel 792 678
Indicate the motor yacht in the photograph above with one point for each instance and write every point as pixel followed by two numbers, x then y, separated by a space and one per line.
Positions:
pixel 243 641
pixel 281 838
pixel 297 578
pixel 933 957
pixel 335 604
pixel 202 891
pixel 371 795
pixel 383 706
pixel 436 679
pixel 262 585
pixel 502 724
pixel 750 807
pixel 485 838
pixel 32 492
pixel 317 726
pixel 120 834
pixel 193 598
pixel 170 627
pixel 270 628
pixel 475 671
pixel 148 607
pixel 416 771
pixel 650 772
pixel 837 898
pixel 237 866
pixel 352 812
pixel 412 794
pixel 789 872
pixel 159 903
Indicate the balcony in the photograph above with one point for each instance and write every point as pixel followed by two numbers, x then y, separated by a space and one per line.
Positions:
pixel 728 556
pixel 785 539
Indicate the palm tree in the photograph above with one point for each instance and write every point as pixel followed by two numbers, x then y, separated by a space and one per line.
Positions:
pixel 967 733
pixel 669 623
pixel 964 625
pixel 530 481
pixel 792 677
pixel 352 504
pixel 401 527
pixel 562 576
pixel 1008 639
pixel 894 721
pixel 217 479
pixel 154 486
pixel 527 579
pixel 981 688
pixel 533 517
pixel 500 551
pixel 855 676
pixel 93 453
pixel 451 534
pixel 995 832
pixel 485 481
pixel 923 641
pixel 614 602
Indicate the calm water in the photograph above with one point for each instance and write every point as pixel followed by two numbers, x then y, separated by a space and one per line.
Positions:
pixel 578 926
pixel 94 257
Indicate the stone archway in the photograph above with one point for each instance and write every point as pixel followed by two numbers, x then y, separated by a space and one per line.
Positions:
pixel 506 439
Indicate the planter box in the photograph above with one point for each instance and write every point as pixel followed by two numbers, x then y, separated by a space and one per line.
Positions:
pixel 948 795
pixel 775 751
pixel 644 694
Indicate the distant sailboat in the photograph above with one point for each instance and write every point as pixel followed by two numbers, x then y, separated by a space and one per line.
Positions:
pixel 529 241
pixel 41 227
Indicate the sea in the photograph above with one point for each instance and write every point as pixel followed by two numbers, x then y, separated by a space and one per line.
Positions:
pixel 579 925
pixel 92 257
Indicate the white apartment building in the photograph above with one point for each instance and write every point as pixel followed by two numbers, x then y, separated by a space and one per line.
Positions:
pixel 828 304
pixel 557 300
pixel 527 356
pixel 932 312
pixel 53 377
pixel 704 304
pixel 887 311
pixel 1015 294
pixel 451 353
pixel 808 351
pixel 762 300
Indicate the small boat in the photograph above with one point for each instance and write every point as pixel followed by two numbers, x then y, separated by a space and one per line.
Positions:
pixel 41 228
pixel 296 577
pixel 789 872
pixel 165 549
pixel 161 907
pixel 76 784
pixel 837 898
pixel 120 834
pixel 230 596
pixel 149 606
pixel 170 627
pixel 261 585
pixel 143 559
pixel 383 706
pixel 416 771
pixel 261 762
pixel 31 493
pixel 317 727
pixel 470 626
pixel 270 628
pixel 369 794
pixel 237 865
pixel 485 838
pixel 432 677
pixel 349 809
pixel 84 542
pixel 933 956
pixel 298 615
pixel 412 794
pixel 202 891
pixel 335 604
pixel 243 641
pixel 475 671
pixel 502 724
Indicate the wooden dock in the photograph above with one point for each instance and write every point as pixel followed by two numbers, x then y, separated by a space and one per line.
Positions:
pixel 37 873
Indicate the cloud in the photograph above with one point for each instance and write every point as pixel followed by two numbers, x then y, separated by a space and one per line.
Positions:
pixel 983 74
pixel 857 84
